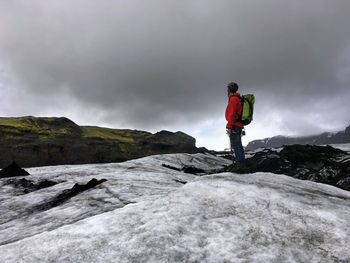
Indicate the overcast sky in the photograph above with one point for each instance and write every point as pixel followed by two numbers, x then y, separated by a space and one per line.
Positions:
pixel 159 64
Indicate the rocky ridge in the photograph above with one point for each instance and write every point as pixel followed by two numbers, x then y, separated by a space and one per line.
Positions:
pixel 321 139
pixel 32 141
pixel 322 164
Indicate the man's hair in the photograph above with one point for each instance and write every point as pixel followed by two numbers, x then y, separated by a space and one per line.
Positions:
pixel 232 87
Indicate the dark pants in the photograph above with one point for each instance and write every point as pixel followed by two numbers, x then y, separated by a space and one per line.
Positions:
pixel 236 143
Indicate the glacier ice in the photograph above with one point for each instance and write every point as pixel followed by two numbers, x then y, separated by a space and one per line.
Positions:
pixel 143 213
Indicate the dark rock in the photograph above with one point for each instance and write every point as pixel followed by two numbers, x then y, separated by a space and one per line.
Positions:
pixel 347 131
pixel 187 169
pixel 171 167
pixel 45 184
pixel 180 181
pixel 68 194
pixel 28 186
pixel 193 170
pixel 13 170
pixel 323 164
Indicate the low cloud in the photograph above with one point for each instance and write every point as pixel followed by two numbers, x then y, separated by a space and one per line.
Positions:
pixel 165 64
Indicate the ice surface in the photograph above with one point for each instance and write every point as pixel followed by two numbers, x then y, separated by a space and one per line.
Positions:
pixel 344 147
pixel 128 182
pixel 143 214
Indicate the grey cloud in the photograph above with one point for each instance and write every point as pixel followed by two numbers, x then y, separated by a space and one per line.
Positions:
pixel 148 62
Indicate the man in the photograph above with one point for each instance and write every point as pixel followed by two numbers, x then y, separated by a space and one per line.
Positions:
pixel 234 127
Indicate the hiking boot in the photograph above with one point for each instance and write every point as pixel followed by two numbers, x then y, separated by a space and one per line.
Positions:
pixel 237 168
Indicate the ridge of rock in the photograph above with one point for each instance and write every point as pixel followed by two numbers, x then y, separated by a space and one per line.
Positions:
pixel 32 141
pixel 322 164
pixel 321 139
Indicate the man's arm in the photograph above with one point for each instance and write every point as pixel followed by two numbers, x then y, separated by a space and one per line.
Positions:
pixel 230 115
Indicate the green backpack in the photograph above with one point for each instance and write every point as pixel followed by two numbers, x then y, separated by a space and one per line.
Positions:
pixel 247 109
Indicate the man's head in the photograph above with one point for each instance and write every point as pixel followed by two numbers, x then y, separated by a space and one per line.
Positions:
pixel 232 87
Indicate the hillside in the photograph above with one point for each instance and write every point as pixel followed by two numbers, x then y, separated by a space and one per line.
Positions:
pixel 320 139
pixel 32 141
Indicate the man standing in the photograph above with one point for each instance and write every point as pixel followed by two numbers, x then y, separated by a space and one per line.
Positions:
pixel 234 127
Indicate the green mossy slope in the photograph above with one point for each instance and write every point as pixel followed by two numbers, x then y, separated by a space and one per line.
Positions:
pixel 32 141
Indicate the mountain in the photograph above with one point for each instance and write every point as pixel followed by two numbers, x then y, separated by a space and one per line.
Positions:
pixel 321 139
pixel 144 211
pixel 32 141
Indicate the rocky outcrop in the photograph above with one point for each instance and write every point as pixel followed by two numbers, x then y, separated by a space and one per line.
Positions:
pixel 13 170
pixel 67 194
pixel 27 186
pixel 34 141
pixel 187 169
pixel 321 139
pixel 322 164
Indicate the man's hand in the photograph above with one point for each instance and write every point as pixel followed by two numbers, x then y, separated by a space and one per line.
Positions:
pixel 228 131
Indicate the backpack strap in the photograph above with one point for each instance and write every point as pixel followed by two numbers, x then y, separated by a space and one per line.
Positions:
pixel 239 117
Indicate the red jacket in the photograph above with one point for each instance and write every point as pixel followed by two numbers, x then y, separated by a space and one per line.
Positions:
pixel 234 109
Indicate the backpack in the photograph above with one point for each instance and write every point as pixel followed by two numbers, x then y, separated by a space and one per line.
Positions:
pixel 247 109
